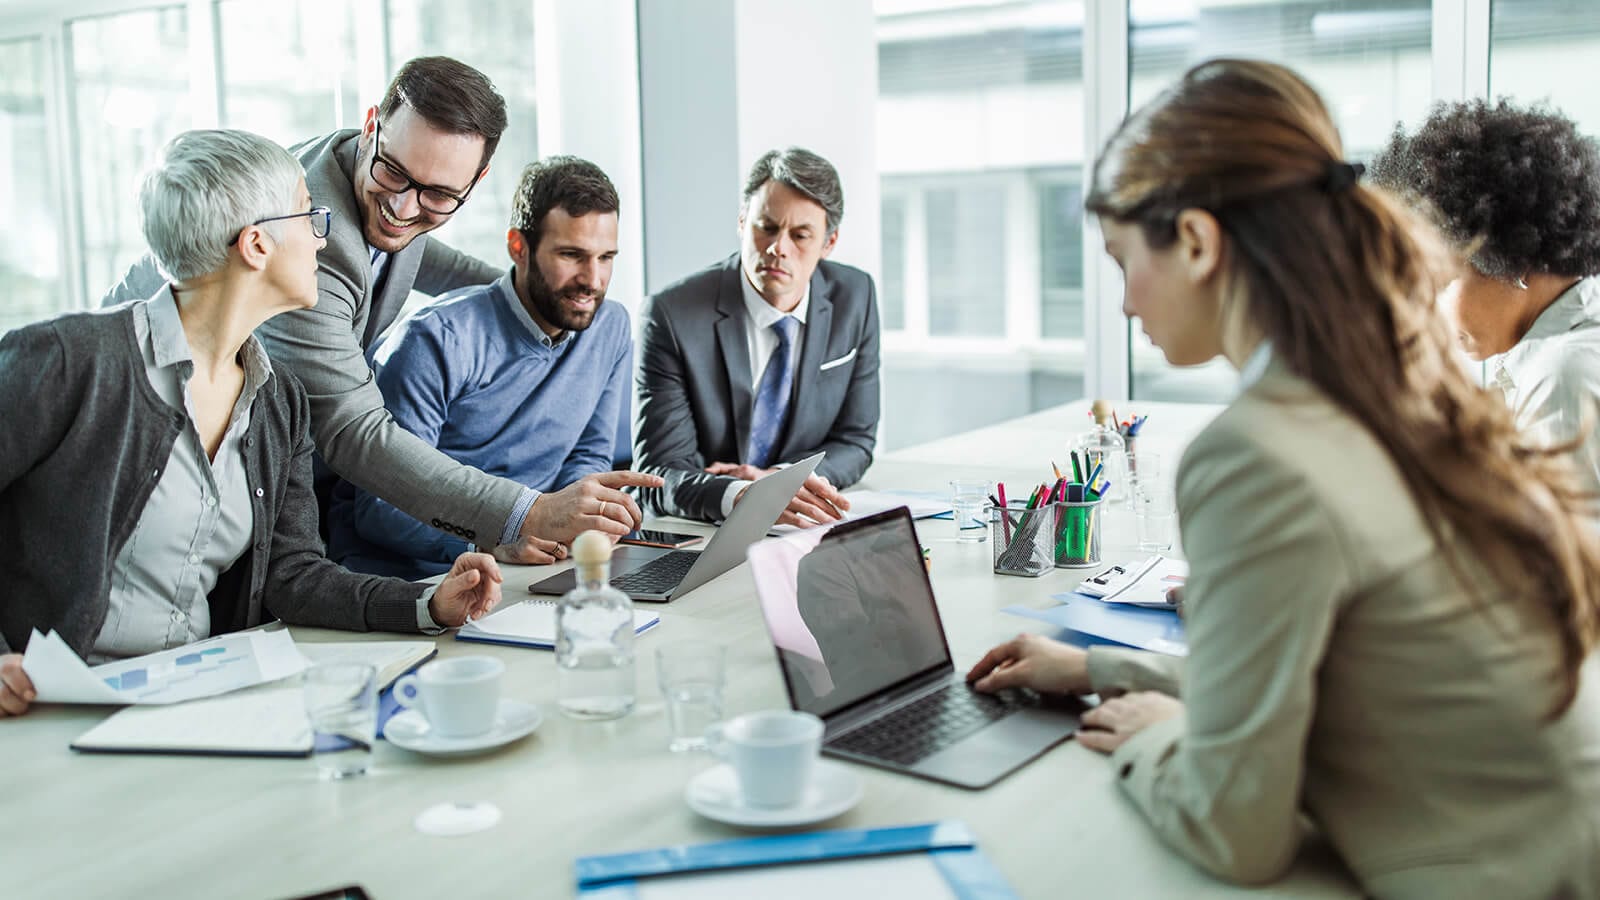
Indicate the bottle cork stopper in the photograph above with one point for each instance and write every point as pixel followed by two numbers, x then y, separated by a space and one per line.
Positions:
pixel 591 548
pixel 1102 411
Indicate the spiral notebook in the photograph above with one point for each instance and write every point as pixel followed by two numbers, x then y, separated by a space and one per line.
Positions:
pixel 532 623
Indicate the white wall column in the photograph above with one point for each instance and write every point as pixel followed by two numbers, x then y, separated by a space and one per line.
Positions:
pixel 1105 75
pixel 586 68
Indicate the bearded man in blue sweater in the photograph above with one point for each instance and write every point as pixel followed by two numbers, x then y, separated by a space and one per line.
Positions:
pixel 527 377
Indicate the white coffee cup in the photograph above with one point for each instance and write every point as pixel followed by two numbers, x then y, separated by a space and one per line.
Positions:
pixel 459 697
pixel 773 753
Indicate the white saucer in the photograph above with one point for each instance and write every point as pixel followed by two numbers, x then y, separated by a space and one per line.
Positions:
pixel 714 794
pixel 513 720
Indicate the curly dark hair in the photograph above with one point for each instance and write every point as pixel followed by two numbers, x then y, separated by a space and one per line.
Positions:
pixel 576 185
pixel 1517 188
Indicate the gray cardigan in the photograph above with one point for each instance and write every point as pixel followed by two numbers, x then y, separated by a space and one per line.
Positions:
pixel 83 439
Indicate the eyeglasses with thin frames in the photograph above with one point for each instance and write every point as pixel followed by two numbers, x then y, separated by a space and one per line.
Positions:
pixel 390 177
pixel 321 221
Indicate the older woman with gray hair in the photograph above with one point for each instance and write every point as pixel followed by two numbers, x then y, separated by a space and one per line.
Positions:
pixel 159 491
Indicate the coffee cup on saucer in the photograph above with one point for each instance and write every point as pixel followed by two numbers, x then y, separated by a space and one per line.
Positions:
pixel 459 697
pixel 774 754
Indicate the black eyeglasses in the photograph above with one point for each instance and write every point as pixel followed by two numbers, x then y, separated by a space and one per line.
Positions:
pixel 392 178
pixel 321 220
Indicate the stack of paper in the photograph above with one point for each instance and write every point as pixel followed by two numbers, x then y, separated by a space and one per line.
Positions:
pixel 265 720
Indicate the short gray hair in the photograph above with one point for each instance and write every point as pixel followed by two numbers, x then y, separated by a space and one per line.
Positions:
pixel 804 171
pixel 207 185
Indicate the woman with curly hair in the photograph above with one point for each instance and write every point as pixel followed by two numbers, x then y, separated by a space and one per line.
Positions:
pixel 1393 595
pixel 1517 190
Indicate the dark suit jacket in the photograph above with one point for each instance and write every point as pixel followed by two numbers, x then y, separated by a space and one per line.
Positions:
pixel 325 347
pixel 696 395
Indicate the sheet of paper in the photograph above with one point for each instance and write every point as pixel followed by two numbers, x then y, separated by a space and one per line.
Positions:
pixel 536 620
pixel 1142 584
pixel 268 718
pixel 390 658
pixel 863 503
pixel 202 669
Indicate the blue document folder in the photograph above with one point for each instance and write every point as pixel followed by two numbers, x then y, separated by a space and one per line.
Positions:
pixel 1159 630
pixel 948 847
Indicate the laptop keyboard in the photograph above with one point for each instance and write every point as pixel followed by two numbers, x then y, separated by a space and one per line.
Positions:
pixel 657 576
pixel 922 728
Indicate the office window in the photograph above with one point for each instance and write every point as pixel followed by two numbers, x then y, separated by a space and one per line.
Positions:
pixel 288 69
pixel 980 130
pixel 30 257
pixel 1535 49
pixel 1061 255
pixel 130 83
pixel 966 247
pixel 1370 60
pixel 892 281
pixel 496 38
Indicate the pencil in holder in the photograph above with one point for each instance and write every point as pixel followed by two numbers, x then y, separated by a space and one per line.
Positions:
pixel 1078 528
pixel 1023 540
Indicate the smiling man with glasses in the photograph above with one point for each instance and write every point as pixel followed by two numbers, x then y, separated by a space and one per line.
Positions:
pixel 411 165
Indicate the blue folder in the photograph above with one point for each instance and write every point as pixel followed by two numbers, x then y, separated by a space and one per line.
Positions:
pixel 950 846
pixel 1093 621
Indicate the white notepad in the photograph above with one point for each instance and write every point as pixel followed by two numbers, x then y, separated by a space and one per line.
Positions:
pixel 532 623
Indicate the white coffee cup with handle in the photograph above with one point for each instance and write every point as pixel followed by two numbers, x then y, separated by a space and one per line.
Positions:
pixel 459 697
pixel 773 753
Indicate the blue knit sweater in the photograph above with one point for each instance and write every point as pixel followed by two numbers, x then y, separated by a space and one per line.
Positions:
pixel 471 374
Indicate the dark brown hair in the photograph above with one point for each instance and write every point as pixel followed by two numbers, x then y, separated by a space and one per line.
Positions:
pixel 1343 279
pixel 452 97
pixel 565 182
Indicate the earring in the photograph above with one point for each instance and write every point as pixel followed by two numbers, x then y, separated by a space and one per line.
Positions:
pixel 1522 282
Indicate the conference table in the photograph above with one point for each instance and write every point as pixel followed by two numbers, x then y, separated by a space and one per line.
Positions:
pixel 84 825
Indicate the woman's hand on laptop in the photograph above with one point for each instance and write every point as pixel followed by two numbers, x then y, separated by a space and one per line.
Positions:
pixel 16 690
pixel 469 591
pixel 817 502
pixel 1033 661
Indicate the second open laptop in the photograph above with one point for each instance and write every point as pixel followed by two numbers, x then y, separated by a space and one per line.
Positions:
pixel 861 644
pixel 656 574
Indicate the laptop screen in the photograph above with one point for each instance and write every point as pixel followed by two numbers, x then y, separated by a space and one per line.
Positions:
pixel 850 610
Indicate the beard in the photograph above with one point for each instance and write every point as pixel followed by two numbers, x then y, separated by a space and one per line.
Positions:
pixel 549 304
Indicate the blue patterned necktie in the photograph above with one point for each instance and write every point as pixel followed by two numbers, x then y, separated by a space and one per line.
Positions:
pixel 772 396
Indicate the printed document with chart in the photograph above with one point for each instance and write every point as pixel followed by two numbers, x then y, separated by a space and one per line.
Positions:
pixel 202 669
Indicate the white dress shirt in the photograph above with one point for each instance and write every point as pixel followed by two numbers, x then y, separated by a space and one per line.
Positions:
pixel 761 341
pixel 1551 378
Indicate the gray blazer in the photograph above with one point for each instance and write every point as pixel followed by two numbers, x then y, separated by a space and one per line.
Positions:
pixel 695 394
pixel 325 347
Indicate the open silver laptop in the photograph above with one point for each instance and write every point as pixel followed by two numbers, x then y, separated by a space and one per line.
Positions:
pixel 657 574
pixel 852 616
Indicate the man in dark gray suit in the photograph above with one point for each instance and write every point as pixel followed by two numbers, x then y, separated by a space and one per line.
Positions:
pixel 764 358
pixel 413 163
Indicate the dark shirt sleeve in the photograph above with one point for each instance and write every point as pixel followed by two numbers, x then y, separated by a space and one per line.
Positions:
pixel 303 587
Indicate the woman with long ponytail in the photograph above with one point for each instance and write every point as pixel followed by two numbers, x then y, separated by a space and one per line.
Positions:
pixel 1393 595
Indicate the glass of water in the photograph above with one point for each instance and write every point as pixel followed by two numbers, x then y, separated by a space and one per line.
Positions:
pixel 970 502
pixel 691 676
pixel 1156 517
pixel 342 704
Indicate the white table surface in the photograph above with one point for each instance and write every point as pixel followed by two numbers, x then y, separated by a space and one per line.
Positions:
pixel 81 826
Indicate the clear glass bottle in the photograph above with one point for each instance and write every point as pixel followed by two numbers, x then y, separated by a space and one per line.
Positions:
pixel 1103 445
pixel 594 638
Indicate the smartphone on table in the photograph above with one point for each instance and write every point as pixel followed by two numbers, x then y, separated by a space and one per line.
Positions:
pixel 649 537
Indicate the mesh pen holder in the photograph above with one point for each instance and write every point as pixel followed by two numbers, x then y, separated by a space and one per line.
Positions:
pixel 1078 530
pixel 1023 540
